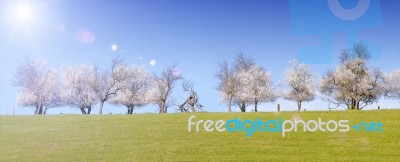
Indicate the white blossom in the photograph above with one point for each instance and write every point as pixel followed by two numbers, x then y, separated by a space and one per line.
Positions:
pixel 244 83
pixel 107 83
pixel 163 85
pixel 352 83
pixel 76 87
pixel 227 83
pixel 300 82
pixel 134 89
pixel 392 86
pixel 39 86
pixel 255 86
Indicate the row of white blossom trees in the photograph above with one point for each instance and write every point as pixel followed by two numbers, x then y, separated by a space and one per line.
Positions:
pixel 352 85
pixel 86 85
pixel 244 83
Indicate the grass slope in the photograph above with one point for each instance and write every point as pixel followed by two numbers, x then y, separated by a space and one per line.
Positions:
pixel 164 137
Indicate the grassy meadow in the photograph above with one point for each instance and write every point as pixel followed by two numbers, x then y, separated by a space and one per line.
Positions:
pixel 164 137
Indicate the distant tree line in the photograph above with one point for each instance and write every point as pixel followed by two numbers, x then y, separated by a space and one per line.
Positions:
pixel 86 85
pixel 353 84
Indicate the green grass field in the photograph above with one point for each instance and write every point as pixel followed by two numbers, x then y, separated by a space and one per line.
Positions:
pixel 164 137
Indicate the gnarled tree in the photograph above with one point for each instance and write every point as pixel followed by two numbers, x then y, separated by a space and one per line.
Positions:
pixel 192 101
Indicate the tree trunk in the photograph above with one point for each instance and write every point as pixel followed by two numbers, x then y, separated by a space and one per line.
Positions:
pixel 89 109
pixel 242 106
pixel 298 105
pixel 192 108
pixel 353 104
pixel 44 111
pixel 40 110
pixel 83 110
pixel 36 109
pixel 358 105
pixel 101 107
pixel 130 109
pixel 255 105
pixel 230 104
pixel 161 106
pixel 181 107
pixel 195 108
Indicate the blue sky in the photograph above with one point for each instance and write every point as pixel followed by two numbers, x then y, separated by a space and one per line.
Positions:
pixel 197 35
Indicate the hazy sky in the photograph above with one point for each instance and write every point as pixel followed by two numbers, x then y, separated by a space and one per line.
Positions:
pixel 195 34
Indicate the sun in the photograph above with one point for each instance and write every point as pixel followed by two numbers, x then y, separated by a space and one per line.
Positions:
pixel 24 18
pixel 24 12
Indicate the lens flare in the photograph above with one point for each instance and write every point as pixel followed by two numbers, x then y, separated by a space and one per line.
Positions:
pixel 85 36
pixel 114 47
pixel 153 62
pixel 176 71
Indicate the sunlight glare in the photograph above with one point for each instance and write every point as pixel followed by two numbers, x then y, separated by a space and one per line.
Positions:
pixel 23 12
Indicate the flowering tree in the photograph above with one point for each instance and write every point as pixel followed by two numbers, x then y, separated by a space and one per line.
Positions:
pixel 163 86
pixel 38 85
pixel 107 83
pixel 353 83
pixel 226 85
pixel 242 64
pixel 244 83
pixel 134 89
pixel 392 86
pixel 228 81
pixel 255 86
pixel 300 81
pixel 76 88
